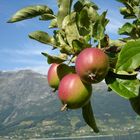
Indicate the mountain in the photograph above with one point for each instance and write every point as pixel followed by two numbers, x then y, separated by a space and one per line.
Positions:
pixel 29 109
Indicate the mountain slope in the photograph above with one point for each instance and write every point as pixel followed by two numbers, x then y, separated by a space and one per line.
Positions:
pixel 28 108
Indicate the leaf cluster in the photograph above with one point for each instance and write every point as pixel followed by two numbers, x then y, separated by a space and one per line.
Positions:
pixel 130 11
pixel 74 27
pixel 78 26
pixel 123 80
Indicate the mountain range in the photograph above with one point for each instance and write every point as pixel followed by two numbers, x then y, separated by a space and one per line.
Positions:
pixel 30 109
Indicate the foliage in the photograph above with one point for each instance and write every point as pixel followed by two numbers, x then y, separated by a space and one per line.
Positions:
pixel 32 11
pixel 76 26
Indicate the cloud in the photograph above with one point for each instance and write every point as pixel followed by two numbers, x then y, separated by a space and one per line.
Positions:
pixel 25 57
pixel 27 61
pixel 20 52
pixel 23 52
pixel 27 49
pixel 32 60
pixel 39 69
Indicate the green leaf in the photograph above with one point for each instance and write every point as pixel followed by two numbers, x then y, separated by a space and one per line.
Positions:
pixel 47 17
pixel 117 43
pixel 70 27
pixel 82 3
pixel 126 29
pixel 43 37
pixel 92 14
pixel 61 42
pixel 88 116
pixel 99 27
pixel 64 10
pixel 127 13
pixel 136 2
pixel 78 6
pixel 131 29
pixel 131 9
pixel 129 57
pixel 64 47
pixel 92 4
pixel 63 56
pixel 98 31
pixel 64 69
pixel 136 31
pixel 53 24
pixel 53 59
pixel 125 88
pixel 78 46
pixel 84 20
pixel 30 12
pixel 137 11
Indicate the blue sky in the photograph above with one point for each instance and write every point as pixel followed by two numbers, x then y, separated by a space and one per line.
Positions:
pixel 17 51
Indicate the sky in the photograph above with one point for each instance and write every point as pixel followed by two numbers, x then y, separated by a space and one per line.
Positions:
pixel 17 51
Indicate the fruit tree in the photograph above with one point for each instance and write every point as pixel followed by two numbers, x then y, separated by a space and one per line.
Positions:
pixel 87 54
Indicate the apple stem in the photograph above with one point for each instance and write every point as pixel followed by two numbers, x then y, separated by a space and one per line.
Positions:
pixel 99 44
pixel 64 107
pixel 92 76
pixel 54 90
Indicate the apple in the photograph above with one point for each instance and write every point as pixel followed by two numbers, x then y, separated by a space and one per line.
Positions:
pixel 92 65
pixel 73 92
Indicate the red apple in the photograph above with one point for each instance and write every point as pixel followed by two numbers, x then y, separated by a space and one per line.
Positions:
pixel 92 65
pixel 56 72
pixel 53 78
pixel 73 92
